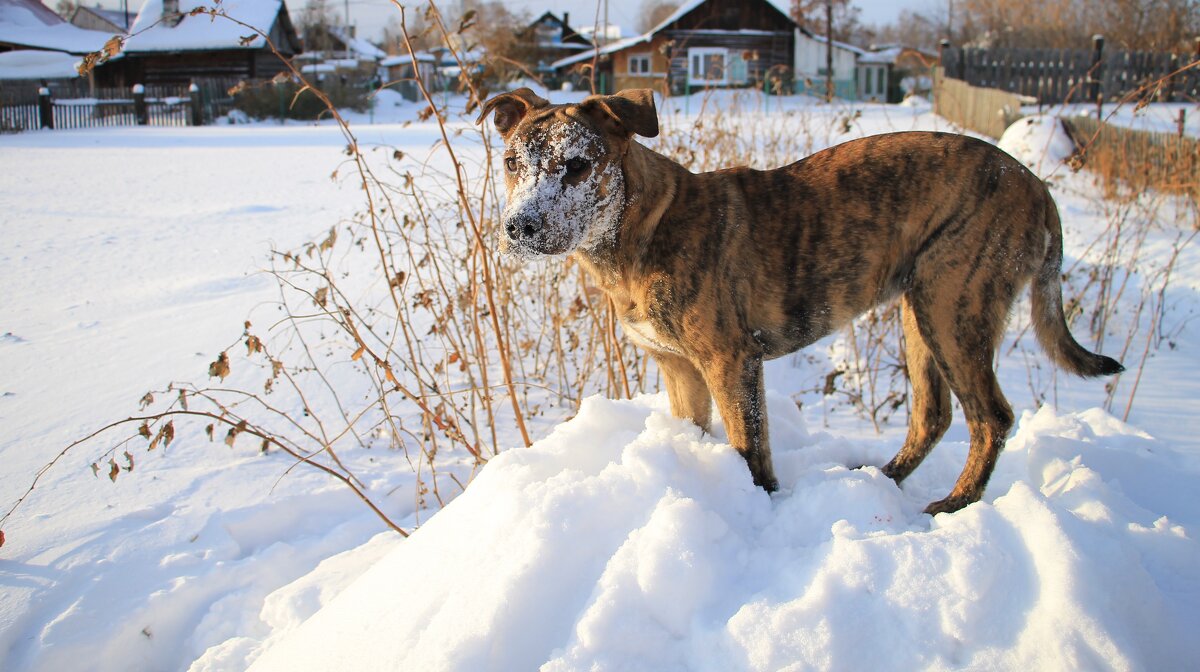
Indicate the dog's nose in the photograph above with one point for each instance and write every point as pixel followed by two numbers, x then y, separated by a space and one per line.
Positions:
pixel 522 226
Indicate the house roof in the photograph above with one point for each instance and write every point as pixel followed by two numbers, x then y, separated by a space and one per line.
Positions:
pixel 357 45
pixel 858 51
pixel 37 64
pixel 113 16
pixel 203 32
pixel 401 59
pixel 30 24
pixel 680 12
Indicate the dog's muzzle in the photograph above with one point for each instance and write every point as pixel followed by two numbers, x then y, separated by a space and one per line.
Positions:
pixel 522 228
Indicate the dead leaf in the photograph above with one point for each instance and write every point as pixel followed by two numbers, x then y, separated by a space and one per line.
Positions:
pixel 209 431
pixel 144 430
pixel 113 46
pixel 114 471
pixel 358 353
pixel 233 433
pixel 219 368
pixel 321 297
pixel 253 344
pixel 147 400
pixel 129 458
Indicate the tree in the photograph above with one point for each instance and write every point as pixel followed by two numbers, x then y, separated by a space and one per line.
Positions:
pixel 491 26
pixel 812 15
pixel 655 12
pixel 314 24
pixel 65 8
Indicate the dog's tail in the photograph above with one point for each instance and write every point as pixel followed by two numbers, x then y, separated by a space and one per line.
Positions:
pixel 1048 320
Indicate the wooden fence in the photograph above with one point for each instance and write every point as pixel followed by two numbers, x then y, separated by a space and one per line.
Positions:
pixel 1139 159
pixel 28 107
pixel 1055 76
pixel 986 111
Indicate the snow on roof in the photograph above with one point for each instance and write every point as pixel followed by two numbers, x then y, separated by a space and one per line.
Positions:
pixel 401 59
pixel 357 45
pixel 29 23
pixel 203 31
pixel 37 64
pixel 858 51
pixel 606 49
pixel 881 55
pixel 679 13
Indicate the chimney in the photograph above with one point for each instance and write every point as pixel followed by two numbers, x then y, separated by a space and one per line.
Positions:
pixel 566 18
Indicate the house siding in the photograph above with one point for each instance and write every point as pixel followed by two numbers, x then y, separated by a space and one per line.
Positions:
pixel 760 51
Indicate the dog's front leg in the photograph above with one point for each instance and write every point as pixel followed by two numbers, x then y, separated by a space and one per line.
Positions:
pixel 736 381
pixel 686 388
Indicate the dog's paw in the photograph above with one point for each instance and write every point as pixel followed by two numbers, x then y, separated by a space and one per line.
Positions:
pixel 949 505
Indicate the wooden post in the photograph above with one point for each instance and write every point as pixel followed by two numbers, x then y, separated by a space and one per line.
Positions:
pixel 1182 121
pixel 45 108
pixel 195 104
pixel 1096 75
pixel 1171 67
pixel 140 111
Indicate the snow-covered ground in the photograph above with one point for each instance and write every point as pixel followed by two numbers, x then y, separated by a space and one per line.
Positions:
pixel 622 540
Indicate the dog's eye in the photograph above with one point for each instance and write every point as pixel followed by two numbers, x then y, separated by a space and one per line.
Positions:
pixel 575 166
pixel 510 164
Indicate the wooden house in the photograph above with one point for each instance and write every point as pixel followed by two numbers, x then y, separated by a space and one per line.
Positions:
pixel 548 39
pixel 113 21
pixel 168 45
pixel 889 73
pixel 703 44
pixel 811 66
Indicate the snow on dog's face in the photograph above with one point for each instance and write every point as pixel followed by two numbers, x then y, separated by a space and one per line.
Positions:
pixel 564 190
pixel 562 168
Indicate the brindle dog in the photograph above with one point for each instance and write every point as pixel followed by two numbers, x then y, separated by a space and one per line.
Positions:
pixel 715 272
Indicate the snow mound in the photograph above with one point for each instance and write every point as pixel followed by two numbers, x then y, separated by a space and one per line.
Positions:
pixel 1040 142
pixel 626 540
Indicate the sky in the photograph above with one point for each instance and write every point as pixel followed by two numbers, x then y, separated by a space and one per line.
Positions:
pixel 372 15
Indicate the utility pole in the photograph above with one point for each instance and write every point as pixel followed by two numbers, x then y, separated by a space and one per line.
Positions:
pixel 829 51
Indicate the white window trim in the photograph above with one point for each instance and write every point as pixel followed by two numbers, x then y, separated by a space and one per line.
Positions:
pixel 707 51
pixel 649 57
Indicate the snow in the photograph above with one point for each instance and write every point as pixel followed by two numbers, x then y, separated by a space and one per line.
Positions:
pixel 1040 142
pixel 19 25
pixel 624 539
pixel 32 64
pixel 627 541
pixel 202 31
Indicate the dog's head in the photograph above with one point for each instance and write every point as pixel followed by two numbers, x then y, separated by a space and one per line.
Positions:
pixel 563 166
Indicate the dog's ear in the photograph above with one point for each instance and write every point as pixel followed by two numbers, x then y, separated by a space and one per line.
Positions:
pixel 510 108
pixel 631 111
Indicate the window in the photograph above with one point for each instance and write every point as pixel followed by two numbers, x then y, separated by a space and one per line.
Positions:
pixel 639 64
pixel 706 66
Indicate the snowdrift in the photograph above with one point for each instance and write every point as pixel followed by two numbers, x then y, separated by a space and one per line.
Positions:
pixel 626 540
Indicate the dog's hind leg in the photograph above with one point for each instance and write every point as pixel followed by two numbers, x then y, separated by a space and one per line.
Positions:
pixel 963 341
pixel 930 412
pixel 736 381
pixel 687 390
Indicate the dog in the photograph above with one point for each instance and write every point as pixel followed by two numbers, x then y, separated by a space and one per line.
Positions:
pixel 715 272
